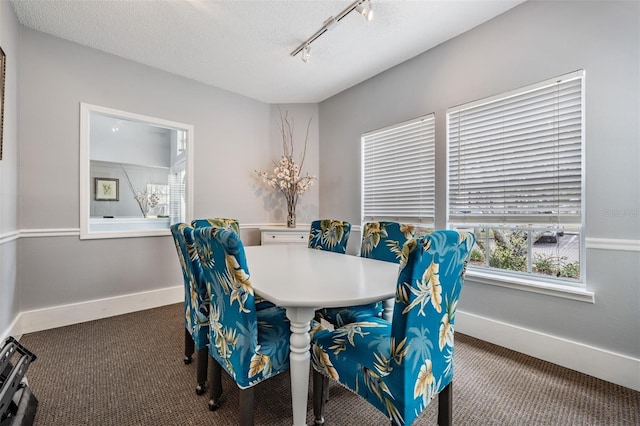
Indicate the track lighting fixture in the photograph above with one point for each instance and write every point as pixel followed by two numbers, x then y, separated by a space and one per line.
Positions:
pixel 365 10
pixel 306 53
pixel 361 6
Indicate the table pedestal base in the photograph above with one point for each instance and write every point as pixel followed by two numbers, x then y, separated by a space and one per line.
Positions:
pixel 299 361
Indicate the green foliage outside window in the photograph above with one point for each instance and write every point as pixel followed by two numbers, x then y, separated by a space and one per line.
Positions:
pixel 477 257
pixel 555 265
pixel 508 251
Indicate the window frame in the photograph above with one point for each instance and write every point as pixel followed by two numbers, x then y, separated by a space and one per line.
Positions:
pixel 134 227
pixel 488 274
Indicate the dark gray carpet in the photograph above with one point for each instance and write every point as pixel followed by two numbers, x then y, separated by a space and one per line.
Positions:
pixel 128 370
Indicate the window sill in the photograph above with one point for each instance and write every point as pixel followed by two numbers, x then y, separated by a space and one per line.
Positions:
pixel 532 286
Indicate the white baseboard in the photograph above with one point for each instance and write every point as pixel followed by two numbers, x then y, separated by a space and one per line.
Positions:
pixel 620 369
pixel 13 330
pixel 59 316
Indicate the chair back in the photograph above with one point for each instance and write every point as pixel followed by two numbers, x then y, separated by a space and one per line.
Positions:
pixel 196 298
pixel 384 240
pixel 233 321
pixel 218 222
pixel 329 235
pixel 427 292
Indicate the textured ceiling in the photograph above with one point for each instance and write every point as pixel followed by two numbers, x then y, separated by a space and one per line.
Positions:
pixel 244 46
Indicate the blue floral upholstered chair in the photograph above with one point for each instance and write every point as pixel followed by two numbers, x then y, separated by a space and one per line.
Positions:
pixel 329 235
pixel 381 241
pixel 218 222
pixel 231 225
pixel 333 235
pixel 196 302
pixel 400 366
pixel 250 345
pixel 384 240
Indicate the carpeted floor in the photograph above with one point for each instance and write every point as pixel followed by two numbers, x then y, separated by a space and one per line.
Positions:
pixel 128 370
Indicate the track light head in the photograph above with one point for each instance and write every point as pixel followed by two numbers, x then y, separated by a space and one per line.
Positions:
pixel 365 11
pixel 306 53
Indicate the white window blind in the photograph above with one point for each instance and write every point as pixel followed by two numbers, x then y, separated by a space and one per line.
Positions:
pixel 177 196
pixel 517 158
pixel 398 172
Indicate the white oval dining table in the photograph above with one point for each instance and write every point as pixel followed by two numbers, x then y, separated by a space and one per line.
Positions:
pixel 302 280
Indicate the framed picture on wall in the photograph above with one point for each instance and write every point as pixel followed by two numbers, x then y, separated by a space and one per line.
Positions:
pixel 107 189
pixel 3 68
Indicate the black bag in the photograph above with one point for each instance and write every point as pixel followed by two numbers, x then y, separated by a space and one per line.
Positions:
pixel 17 404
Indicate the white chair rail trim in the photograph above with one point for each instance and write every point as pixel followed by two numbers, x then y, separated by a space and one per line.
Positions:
pixel 612 244
pixel 54 232
pixel 590 243
pixel 9 236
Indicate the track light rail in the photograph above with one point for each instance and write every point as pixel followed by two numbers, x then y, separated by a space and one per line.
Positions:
pixel 330 22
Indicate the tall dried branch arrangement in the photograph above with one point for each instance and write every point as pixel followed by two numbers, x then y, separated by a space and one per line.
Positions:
pixel 287 176
pixel 142 198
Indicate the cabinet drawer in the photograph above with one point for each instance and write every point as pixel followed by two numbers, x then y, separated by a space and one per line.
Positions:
pixel 271 237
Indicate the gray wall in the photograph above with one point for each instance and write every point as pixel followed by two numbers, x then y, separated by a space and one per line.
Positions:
pixel 233 137
pixel 9 292
pixel 532 42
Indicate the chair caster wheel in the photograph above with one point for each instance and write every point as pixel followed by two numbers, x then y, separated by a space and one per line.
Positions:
pixel 213 406
pixel 200 390
pixel 187 360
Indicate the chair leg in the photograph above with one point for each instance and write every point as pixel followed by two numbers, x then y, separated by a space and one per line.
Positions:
pixel 320 396
pixel 246 407
pixel 201 371
pixel 326 389
pixel 215 383
pixel 189 346
pixel 445 404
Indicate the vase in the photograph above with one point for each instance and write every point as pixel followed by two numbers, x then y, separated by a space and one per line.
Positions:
pixel 291 217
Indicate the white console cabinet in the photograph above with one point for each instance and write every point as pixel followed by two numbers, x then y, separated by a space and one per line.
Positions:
pixel 284 235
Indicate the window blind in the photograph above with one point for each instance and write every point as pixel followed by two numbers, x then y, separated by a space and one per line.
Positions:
pixel 398 172
pixel 517 158
pixel 177 196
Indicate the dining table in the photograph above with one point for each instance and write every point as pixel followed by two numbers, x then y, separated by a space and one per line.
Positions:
pixel 302 280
